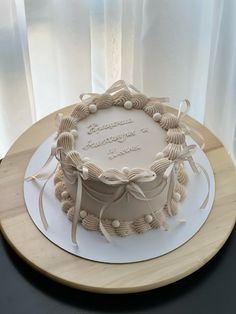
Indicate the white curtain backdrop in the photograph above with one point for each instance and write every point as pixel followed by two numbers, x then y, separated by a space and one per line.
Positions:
pixel 53 50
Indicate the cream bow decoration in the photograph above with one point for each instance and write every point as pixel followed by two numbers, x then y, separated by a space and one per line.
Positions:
pixel 79 173
pixel 118 86
pixel 182 112
pixel 42 173
pixel 186 155
pixel 124 185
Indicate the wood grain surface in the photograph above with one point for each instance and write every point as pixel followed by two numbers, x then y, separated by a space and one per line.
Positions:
pixel 21 233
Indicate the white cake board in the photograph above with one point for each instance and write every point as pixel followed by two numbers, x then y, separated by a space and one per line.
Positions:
pixel 130 249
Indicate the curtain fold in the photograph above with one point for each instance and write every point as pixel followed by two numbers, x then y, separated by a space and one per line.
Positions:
pixel 60 52
pixel 16 101
pixel 220 109
pixel 51 51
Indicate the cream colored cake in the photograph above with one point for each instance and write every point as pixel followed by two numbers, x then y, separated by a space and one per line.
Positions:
pixel 121 162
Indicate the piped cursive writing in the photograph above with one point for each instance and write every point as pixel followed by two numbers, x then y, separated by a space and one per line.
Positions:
pixel 96 128
pixel 120 138
pixel 113 153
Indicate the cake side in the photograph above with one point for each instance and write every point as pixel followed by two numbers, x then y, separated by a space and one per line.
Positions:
pixel 119 222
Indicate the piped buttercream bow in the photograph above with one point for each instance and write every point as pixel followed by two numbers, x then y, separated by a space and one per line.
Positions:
pixel 80 172
pixel 182 112
pixel 115 88
pixel 186 155
pixel 125 185
pixel 77 173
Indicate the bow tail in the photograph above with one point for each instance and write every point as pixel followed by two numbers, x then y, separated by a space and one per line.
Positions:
pixel 102 228
pixel 193 164
pixel 193 133
pixel 187 153
pixel 41 209
pixel 117 196
pixel 173 179
pixel 77 210
pixel 40 174
pixel 205 201
pixel 195 168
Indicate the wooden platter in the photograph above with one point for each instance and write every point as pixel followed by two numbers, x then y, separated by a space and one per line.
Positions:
pixel 21 233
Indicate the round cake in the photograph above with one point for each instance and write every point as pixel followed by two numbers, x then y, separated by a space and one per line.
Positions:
pixel 121 162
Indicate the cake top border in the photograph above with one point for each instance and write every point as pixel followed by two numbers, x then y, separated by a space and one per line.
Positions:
pixel 126 96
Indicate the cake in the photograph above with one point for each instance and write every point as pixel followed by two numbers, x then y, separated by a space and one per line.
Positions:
pixel 121 162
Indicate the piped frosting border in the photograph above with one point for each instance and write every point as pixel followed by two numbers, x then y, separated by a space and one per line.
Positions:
pixel 129 99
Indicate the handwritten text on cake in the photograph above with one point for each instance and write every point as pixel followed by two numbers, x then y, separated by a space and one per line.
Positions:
pixel 114 152
pixel 120 138
pixel 95 128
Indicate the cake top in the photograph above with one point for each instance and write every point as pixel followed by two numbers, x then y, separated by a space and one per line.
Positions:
pixel 118 138
pixel 121 131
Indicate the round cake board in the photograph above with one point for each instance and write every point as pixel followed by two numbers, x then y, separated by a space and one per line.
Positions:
pixel 25 238
pixel 134 248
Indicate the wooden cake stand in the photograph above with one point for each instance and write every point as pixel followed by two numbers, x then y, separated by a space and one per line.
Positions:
pixel 24 237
